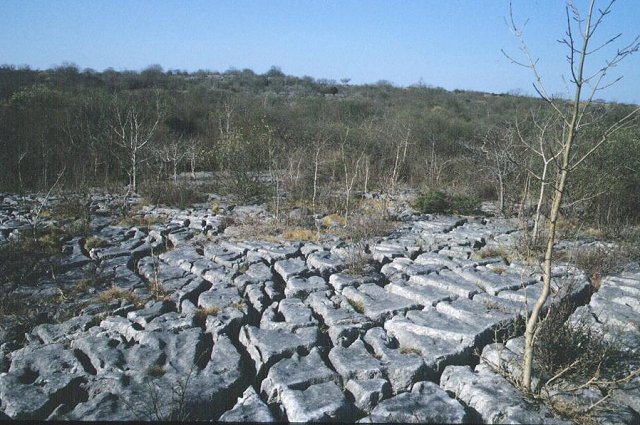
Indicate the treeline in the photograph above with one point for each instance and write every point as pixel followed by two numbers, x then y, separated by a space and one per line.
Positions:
pixel 312 138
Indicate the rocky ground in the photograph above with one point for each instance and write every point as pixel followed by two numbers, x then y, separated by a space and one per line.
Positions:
pixel 177 318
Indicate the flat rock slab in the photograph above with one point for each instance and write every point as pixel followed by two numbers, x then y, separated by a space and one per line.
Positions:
pixel 266 347
pixel 385 252
pixel 223 256
pixel 325 263
pixel 439 262
pixel 272 252
pixel 376 303
pixel 296 373
pixel 344 322
pixel 492 282
pixel 318 403
pixel 181 254
pixel 448 281
pixel 300 287
pixel 493 397
pixel 437 351
pixel 426 403
pixel 438 224
pixel 355 362
pixel 289 314
pixel 290 267
pixel 424 295
pixel 219 297
pixel 407 267
pixel 63 332
pixel 485 320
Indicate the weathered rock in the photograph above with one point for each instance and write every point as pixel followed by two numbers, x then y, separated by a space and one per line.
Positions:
pixel 437 341
pixel 376 303
pixel 64 331
pixel 404 267
pixel 426 403
pixel 256 296
pixel 129 330
pixel 368 393
pixel 290 267
pixel 169 322
pixel 219 297
pixel 296 373
pixel 424 295
pixel 492 282
pixel 325 263
pixel 266 347
pixel 100 352
pixel 355 362
pixel 152 310
pixel 105 406
pixel 449 282
pixel 385 252
pixel 248 408
pixel 272 252
pixel 318 403
pixel 345 324
pixel 301 287
pixel 403 368
pixel 223 256
pixel 340 280
pixel 40 378
pixel 493 398
pixel 289 314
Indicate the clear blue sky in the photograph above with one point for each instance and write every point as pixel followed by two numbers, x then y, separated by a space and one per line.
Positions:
pixel 447 43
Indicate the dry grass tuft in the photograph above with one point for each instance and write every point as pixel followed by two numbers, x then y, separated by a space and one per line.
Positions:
pixel 410 350
pixel 114 294
pixel 201 313
pixel 300 234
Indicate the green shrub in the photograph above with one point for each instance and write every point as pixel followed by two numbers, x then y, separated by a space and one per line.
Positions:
pixel 465 205
pixel 434 202
pixel 439 202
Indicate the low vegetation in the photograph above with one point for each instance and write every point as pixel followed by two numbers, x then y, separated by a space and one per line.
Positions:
pixel 439 202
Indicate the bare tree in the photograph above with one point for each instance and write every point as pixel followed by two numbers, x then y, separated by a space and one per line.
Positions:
pixel 134 126
pixel 173 152
pixel 194 150
pixel 498 145
pixel 351 170
pixel 581 29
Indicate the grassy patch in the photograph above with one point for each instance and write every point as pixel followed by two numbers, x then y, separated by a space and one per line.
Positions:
pixel 333 220
pixel 116 294
pixel 300 234
pixel 95 242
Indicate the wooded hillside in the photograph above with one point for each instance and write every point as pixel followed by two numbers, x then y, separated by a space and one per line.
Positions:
pixel 311 137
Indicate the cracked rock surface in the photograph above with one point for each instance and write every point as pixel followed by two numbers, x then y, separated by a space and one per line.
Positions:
pixel 206 326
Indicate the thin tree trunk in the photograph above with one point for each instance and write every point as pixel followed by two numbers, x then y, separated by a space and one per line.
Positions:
pixel 532 321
